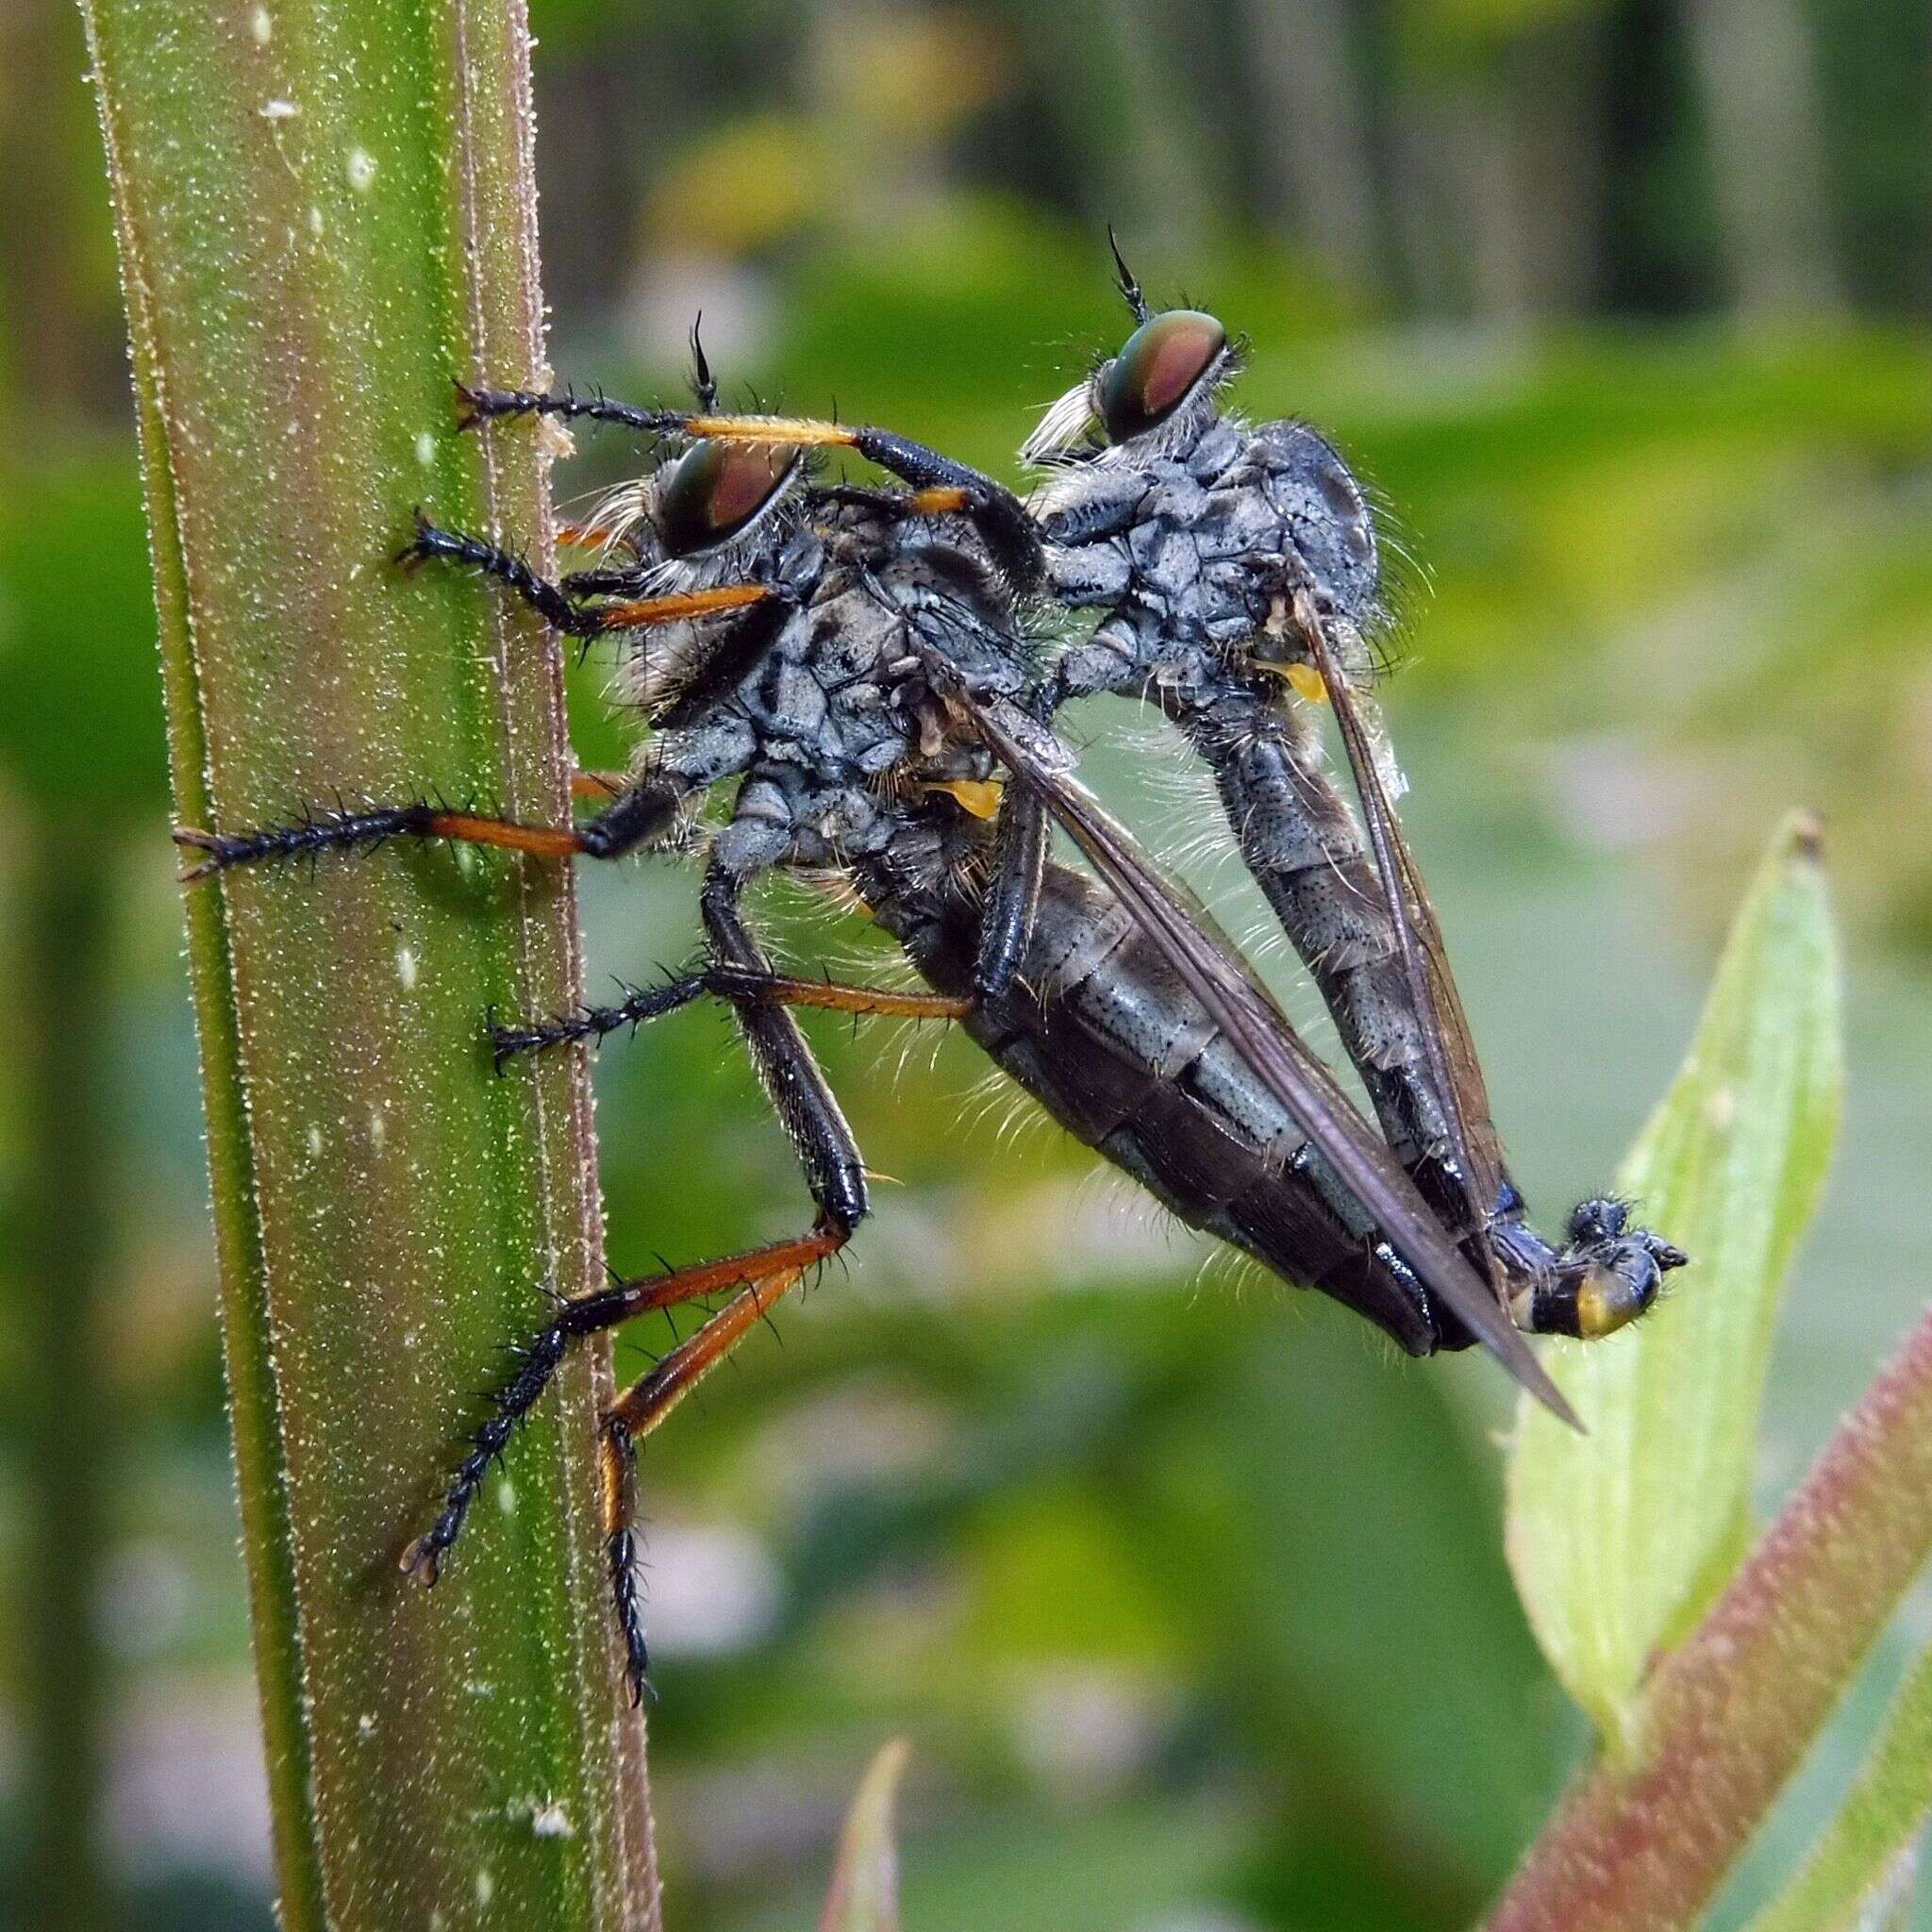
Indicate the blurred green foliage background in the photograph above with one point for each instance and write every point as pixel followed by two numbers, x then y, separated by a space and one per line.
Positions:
pixel 1190 1597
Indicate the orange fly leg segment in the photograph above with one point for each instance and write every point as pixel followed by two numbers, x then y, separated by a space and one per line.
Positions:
pixel 507 835
pixel 940 500
pixel 679 605
pixel 804 432
pixel 647 1401
pixel 829 995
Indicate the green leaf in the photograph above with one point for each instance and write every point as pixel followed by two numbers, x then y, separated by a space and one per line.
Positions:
pixel 323 215
pixel 1853 1866
pixel 1647 1837
pixel 864 1895
pixel 1620 1539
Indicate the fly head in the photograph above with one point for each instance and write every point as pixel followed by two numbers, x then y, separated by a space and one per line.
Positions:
pixel 1607 1275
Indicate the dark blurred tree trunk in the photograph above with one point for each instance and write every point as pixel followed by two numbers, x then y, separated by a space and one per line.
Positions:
pixel 1555 78
pixel 67 1419
pixel 1473 134
pixel 1317 162
pixel 1754 62
pixel 1499 159
pixel 61 343
pixel 1424 205
pixel 1114 76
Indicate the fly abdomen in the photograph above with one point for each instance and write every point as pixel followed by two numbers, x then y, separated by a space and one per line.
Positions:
pixel 1301 844
pixel 1100 1031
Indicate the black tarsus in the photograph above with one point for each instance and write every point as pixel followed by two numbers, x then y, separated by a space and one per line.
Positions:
pixel 313 833
pixel 538 592
pixel 537 1361
pixel 486 405
pixel 512 1403
pixel 623 582
pixel 622 1554
pixel 640 1005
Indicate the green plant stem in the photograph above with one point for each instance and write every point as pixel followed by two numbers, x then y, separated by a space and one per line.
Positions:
pixel 1644 1837
pixel 325 214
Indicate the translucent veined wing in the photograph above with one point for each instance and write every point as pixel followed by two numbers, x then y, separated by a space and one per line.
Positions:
pixel 1255 1026
pixel 1448 1044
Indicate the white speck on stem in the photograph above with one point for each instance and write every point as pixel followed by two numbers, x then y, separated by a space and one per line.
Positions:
pixel 365 1725
pixel 278 110
pixel 378 1129
pixel 361 167
pixel 315 220
pixel 408 969
pixel 506 1497
pixel 313 1139
pixel 426 449
pixel 486 1885
pixel 551 1821
pixel 260 26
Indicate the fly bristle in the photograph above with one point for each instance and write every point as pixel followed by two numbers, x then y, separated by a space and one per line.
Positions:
pixel 1061 426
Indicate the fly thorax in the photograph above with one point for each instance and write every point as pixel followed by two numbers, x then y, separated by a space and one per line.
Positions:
pixel 1218 448
pixel 1324 512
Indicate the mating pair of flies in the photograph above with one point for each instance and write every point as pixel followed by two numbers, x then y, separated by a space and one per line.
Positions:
pixel 876 670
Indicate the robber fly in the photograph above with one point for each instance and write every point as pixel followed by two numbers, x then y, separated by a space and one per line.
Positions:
pixel 1225 559
pixel 856 664
pixel 982 518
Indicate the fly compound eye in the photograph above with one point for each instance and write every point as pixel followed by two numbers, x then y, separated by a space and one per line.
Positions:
pixel 715 489
pixel 1158 371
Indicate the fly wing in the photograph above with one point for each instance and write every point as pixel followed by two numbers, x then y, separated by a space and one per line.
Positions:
pixel 1448 1044
pixel 1256 1027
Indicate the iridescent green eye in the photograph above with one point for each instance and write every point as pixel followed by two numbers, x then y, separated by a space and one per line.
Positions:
pixel 1157 370
pixel 715 489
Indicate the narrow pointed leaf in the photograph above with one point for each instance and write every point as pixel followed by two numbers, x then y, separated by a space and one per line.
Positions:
pixel 1644 1840
pixel 1854 1869
pixel 1619 1539
pixel 864 1895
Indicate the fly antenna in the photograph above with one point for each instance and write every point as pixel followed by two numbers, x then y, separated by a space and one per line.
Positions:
pixel 1130 287
pixel 703 382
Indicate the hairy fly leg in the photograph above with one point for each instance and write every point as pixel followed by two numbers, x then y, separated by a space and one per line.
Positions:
pixel 476 405
pixel 643 811
pixel 835 1177
pixel 1012 903
pixel 648 1401
pixel 558 603
pixel 1008 911
pixel 741 985
pixel 539 1358
pixel 940 485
